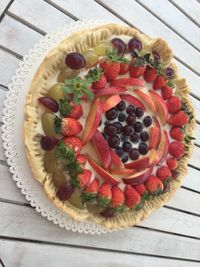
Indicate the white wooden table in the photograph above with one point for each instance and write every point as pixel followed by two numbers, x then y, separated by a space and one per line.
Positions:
pixel 171 236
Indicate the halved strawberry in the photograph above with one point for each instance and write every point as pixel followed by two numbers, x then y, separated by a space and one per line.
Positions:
pixel 105 194
pixel 84 178
pixel 159 82
pixel 154 185
pixel 137 67
pixel 118 199
pixel 98 77
pixel 111 69
pixel 76 111
pixel 91 190
pixel 81 159
pixel 124 68
pixel 74 143
pixel 67 126
pixel 132 196
pixel 150 74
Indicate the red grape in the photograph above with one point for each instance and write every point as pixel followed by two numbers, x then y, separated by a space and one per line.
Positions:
pixel 64 192
pixel 49 103
pixel 48 143
pixel 119 45
pixel 75 60
pixel 134 44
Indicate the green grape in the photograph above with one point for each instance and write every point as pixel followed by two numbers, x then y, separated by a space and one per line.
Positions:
pixel 55 91
pixel 48 124
pixel 50 161
pixel 103 48
pixel 91 58
pixel 94 208
pixel 59 178
pixel 67 73
pixel 75 199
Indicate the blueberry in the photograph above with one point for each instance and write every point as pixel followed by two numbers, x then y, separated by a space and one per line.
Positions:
pixel 139 112
pixel 113 141
pixel 122 117
pixel 121 106
pixel 123 138
pixel 134 138
pixel 143 148
pixel 127 146
pixel 147 121
pixel 119 151
pixel 111 114
pixel 130 109
pixel 134 154
pixel 125 158
pixel 131 119
pixel 144 136
pixel 138 127
pixel 118 126
pixel 127 130
pixel 110 129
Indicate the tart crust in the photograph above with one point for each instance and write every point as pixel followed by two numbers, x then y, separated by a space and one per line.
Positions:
pixel 53 62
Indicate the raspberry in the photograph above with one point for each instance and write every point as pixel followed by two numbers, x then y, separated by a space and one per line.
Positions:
pixel 163 172
pixel 176 149
pixel 176 133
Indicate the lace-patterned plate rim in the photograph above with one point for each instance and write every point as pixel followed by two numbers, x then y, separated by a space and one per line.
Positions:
pixel 28 185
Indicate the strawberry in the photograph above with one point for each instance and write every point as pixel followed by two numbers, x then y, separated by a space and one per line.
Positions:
pixel 105 194
pixel 163 173
pixel 176 149
pixel 174 104
pixel 171 163
pixel 84 178
pixel 159 82
pixel 76 112
pixel 137 67
pixel 154 185
pixel 150 75
pixel 124 68
pixel 166 92
pixel 100 84
pixel 118 198
pixel 74 143
pixel 111 69
pixel 132 197
pixel 178 119
pixel 91 190
pixel 177 133
pixel 81 159
pixel 140 188
pixel 67 126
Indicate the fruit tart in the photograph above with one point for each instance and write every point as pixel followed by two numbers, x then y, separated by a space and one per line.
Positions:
pixel 109 125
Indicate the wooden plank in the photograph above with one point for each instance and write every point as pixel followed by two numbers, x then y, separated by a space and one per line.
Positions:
pixel 8 64
pixel 78 9
pixel 154 28
pixel 175 19
pixel 16 36
pixel 192 180
pixel 190 7
pixel 41 16
pixel 21 222
pixel 3 5
pixel 197 134
pixel 195 157
pixel 15 253
pixel 196 104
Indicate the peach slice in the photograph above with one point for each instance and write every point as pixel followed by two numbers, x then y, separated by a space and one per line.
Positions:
pixel 163 148
pixel 154 136
pixel 123 171
pixel 147 100
pixel 157 124
pixel 133 100
pixel 102 149
pixel 104 174
pixel 115 160
pixel 139 177
pixel 93 120
pixel 160 106
pixel 111 102
pixel 127 82
pixel 114 90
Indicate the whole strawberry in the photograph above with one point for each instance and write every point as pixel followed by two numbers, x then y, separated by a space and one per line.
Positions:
pixel 163 173
pixel 166 92
pixel 178 119
pixel 118 198
pixel 172 163
pixel 74 143
pixel 91 190
pixel 84 178
pixel 159 82
pixel 76 111
pixel 177 133
pixel 111 69
pixel 137 68
pixel 176 149
pixel 68 126
pixel 140 188
pixel 154 185
pixel 124 68
pixel 105 194
pixel 174 104
pixel 132 197
pixel 98 78
pixel 150 75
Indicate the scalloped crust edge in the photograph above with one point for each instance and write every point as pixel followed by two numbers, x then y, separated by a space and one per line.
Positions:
pixel 81 41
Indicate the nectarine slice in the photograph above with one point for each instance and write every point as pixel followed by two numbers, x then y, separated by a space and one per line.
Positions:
pixel 133 100
pixel 111 102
